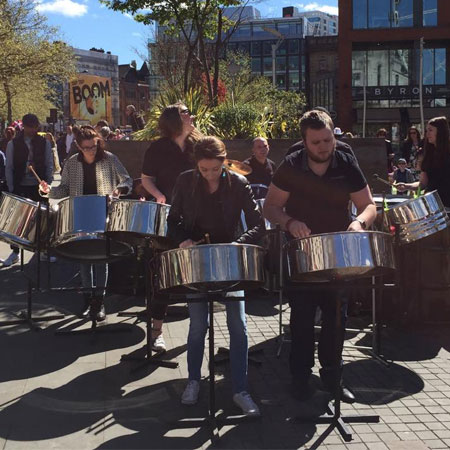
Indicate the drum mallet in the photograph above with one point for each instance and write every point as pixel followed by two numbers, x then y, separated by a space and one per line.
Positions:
pixel 377 177
pixel 31 169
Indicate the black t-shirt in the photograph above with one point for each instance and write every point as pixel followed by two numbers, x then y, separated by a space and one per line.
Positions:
pixel 164 160
pixel 89 179
pixel 341 146
pixel 210 219
pixel 261 173
pixel 320 202
pixel 439 179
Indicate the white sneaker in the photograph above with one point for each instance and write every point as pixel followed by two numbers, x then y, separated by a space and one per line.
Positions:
pixel 44 258
pixel 190 394
pixel 245 402
pixel 159 344
pixel 13 258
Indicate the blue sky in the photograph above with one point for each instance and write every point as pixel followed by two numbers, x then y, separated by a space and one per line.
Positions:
pixel 87 23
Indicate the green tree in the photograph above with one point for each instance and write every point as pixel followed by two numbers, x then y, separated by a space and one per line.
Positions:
pixel 31 58
pixel 201 24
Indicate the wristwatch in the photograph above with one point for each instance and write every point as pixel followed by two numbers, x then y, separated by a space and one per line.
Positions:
pixel 362 222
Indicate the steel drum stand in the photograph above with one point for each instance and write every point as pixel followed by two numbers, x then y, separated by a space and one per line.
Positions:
pixel 26 316
pixel 212 420
pixel 333 417
pixel 149 359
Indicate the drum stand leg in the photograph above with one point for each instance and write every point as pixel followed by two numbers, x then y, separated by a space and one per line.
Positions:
pixel 333 416
pixel 149 359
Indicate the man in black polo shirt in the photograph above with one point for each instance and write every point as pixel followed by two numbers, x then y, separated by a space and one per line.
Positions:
pixel 309 194
pixel 262 167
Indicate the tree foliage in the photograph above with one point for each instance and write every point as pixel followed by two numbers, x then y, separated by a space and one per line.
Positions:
pixel 32 60
pixel 200 24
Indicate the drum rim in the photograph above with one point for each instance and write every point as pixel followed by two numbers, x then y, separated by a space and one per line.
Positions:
pixel 132 200
pixel 411 200
pixel 26 200
pixel 346 233
pixel 231 244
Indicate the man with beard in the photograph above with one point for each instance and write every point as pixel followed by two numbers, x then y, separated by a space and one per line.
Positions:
pixel 309 194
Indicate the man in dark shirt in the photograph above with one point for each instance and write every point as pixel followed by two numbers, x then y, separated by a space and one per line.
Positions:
pixel 309 194
pixel 262 167
pixel 134 119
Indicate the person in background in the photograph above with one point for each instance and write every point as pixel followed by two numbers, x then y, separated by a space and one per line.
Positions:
pixel 134 119
pixel 411 148
pixel 382 133
pixel 93 171
pixel 262 167
pixel 164 160
pixel 51 139
pixel 100 124
pixel 435 174
pixel 8 134
pixel 105 133
pixel 402 174
pixel 210 199
pixel 27 148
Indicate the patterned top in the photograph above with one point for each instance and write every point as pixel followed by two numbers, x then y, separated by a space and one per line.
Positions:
pixel 109 171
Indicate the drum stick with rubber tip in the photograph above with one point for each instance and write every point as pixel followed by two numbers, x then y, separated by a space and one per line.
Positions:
pixel 31 169
pixel 207 239
pixel 377 177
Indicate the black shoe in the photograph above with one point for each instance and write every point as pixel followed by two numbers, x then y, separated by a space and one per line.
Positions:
pixel 97 309
pixel 86 307
pixel 346 395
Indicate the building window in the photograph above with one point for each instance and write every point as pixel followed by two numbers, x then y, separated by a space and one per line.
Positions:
pixel 399 67
pixel 402 15
pixel 256 48
pixel 359 14
pixel 256 65
pixel 293 63
pixel 293 46
pixel 429 13
pixel 243 31
pixel 267 65
pixel 379 12
pixel 294 81
pixel 281 64
pixel 434 66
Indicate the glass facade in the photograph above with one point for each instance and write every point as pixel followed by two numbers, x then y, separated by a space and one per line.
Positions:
pixel 394 13
pixel 398 67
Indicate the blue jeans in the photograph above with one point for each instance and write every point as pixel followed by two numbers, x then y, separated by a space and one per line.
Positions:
pixel 93 275
pixel 237 327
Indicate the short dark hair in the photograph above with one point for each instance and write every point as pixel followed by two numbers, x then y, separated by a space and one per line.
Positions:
pixel 436 154
pixel 30 120
pixel 316 120
pixel 209 147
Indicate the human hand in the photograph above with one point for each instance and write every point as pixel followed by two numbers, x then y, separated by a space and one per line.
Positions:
pixel 298 229
pixel 187 243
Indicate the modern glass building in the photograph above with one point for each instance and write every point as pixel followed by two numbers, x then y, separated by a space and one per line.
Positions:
pixel 257 36
pixel 379 50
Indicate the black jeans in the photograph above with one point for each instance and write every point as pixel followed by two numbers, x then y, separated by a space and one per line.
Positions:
pixel 303 312
pixel 30 192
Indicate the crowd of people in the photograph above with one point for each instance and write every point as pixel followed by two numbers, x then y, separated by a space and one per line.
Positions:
pixel 307 194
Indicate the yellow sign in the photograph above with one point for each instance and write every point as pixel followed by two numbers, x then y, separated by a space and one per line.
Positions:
pixel 90 98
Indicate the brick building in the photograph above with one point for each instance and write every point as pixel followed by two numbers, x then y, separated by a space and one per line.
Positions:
pixel 133 89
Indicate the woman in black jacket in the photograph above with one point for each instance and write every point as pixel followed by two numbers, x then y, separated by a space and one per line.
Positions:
pixel 411 147
pixel 210 199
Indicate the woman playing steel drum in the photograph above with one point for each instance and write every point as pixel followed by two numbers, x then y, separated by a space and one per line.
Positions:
pixel 435 174
pixel 92 171
pixel 209 199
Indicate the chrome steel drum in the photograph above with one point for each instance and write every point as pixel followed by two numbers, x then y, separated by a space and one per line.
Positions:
pixel 340 256
pixel 133 221
pixel 80 230
pixel 18 221
pixel 211 268
pixel 418 217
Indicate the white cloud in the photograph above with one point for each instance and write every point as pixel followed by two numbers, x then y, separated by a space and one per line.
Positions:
pixel 314 6
pixel 67 8
pixel 136 34
pixel 128 16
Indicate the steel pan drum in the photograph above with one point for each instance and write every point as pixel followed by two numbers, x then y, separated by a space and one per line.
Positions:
pixel 133 221
pixel 418 217
pixel 80 230
pixel 340 256
pixel 18 221
pixel 212 268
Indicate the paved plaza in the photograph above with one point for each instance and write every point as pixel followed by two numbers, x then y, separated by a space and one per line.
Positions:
pixel 76 392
